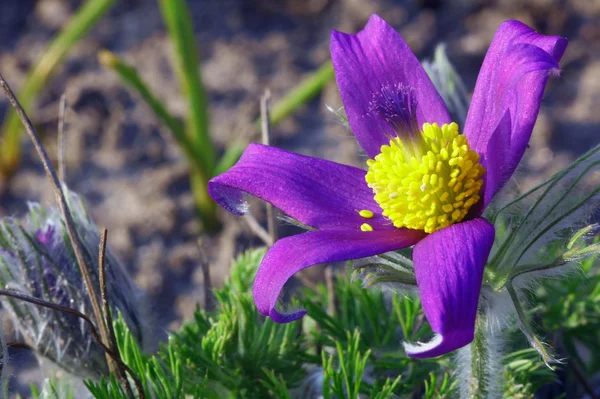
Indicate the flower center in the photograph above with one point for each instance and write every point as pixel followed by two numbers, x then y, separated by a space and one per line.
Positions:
pixel 427 183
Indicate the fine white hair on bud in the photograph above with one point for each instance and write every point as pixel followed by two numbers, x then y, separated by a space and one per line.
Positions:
pixel 530 281
pixel 340 116
pixel 579 247
pixel 390 272
pixel 36 259
pixel 500 310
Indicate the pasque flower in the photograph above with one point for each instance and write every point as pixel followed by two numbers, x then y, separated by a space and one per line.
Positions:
pixel 426 184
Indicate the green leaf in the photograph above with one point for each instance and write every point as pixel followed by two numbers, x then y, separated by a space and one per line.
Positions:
pixel 130 76
pixel 345 381
pixel 186 63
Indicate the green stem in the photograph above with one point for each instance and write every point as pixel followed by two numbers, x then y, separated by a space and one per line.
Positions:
pixel 534 341
pixel 206 208
pixel 178 21
pixel 130 76
pixel 483 366
pixel 479 369
pixel 229 158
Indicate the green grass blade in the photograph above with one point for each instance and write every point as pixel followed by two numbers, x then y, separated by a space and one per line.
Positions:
pixel 130 76
pixel 198 175
pixel 83 20
pixel 206 208
pixel 229 158
pixel 186 62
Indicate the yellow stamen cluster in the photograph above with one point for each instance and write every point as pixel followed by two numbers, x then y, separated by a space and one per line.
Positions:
pixel 429 184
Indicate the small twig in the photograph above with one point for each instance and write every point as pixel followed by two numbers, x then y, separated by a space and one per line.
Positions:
pixel 112 343
pixel 209 300
pixel 265 125
pixel 90 323
pixel 62 117
pixel 258 230
pixel 62 205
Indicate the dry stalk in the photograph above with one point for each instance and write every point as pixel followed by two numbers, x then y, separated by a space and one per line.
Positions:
pixel 62 117
pixel 258 230
pixel 209 299
pixel 112 343
pixel 265 125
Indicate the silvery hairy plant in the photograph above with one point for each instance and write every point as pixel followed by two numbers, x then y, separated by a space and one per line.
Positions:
pixel 37 259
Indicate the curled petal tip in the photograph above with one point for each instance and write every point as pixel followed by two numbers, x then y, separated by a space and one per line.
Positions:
pixel 512 79
pixel 229 198
pixel 292 254
pixel 283 318
pixel 439 345
pixel 555 73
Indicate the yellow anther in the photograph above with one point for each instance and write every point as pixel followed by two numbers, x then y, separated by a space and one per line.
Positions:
pixel 447 208
pixel 366 227
pixel 427 184
pixel 367 214
pixel 456 215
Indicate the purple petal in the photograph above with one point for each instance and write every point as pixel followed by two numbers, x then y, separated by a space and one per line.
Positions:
pixel 45 236
pixel 370 64
pixel 292 254
pixel 495 163
pixel 449 269
pixel 318 193
pixel 511 81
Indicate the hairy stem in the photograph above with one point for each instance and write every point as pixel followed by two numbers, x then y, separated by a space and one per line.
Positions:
pixel 480 363
pixel 480 357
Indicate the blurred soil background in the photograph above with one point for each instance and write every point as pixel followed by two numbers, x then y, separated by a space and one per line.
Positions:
pixel 133 175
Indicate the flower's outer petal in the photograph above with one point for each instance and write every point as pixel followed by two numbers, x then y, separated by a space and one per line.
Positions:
pixel 367 62
pixel 495 164
pixel 318 193
pixel 449 269
pixel 292 254
pixel 512 80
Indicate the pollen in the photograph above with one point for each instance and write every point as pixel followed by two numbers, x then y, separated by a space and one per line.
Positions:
pixel 429 183
pixel 365 213
pixel 366 227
